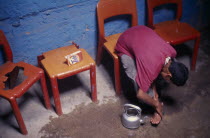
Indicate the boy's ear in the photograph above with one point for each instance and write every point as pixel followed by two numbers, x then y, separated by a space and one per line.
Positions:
pixel 168 76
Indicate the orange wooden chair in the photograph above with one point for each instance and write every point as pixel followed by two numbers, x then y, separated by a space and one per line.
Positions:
pixel 32 73
pixel 54 63
pixel 107 9
pixel 174 31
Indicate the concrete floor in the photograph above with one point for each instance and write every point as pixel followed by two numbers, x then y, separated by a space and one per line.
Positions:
pixel 186 108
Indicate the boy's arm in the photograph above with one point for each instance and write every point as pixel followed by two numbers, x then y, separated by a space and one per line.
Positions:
pixel 156 96
pixel 146 98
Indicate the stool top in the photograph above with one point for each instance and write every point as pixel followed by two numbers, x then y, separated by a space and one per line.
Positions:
pixel 55 64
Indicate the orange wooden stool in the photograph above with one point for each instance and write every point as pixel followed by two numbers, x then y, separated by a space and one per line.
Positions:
pixel 55 65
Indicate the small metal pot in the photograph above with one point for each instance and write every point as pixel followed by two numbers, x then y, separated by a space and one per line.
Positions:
pixel 131 118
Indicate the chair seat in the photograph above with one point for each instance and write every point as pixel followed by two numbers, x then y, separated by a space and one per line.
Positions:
pixel 111 43
pixel 55 65
pixel 31 72
pixel 175 32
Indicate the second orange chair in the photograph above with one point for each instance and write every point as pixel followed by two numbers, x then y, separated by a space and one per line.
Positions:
pixel 105 10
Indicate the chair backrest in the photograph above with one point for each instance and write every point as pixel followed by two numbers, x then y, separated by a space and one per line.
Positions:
pixel 6 47
pixel 151 4
pixel 111 8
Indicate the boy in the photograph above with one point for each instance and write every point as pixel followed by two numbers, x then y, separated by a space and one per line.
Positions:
pixel 144 56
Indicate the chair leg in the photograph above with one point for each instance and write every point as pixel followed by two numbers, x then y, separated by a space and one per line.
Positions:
pixel 195 53
pixel 99 55
pixel 44 90
pixel 93 82
pixel 18 116
pixel 117 76
pixel 56 96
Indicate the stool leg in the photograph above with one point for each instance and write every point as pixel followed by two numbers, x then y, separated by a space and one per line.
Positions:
pixel 44 90
pixel 18 116
pixel 93 82
pixel 56 96
pixel 195 53
pixel 117 75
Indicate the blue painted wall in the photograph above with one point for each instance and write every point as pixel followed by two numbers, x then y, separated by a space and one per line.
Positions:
pixel 36 26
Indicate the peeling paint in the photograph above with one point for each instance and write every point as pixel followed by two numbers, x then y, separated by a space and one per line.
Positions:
pixel 71 5
pixel 87 29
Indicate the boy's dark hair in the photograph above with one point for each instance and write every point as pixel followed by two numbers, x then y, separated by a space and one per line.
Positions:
pixel 179 73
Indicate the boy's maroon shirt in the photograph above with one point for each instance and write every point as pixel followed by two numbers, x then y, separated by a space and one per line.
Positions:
pixel 148 50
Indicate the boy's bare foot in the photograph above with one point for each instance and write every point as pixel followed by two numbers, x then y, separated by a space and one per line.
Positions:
pixel 155 120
